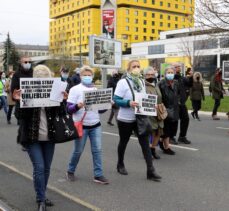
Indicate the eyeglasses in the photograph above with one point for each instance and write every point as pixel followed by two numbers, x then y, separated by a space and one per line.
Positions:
pixel 25 62
pixel 136 66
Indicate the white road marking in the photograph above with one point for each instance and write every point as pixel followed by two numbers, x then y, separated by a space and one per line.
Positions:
pixel 62 193
pixel 134 138
pixel 222 128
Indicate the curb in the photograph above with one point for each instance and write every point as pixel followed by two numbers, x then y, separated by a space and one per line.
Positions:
pixel 209 113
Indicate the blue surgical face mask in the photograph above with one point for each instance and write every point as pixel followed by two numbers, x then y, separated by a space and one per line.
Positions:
pixel 169 76
pixel 64 76
pixel 26 66
pixel 87 80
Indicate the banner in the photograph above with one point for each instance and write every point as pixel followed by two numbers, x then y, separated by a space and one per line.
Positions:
pixel 35 92
pixel 105 53
pixel 108 17
pixel 146 105
pixel 225 71
pixel 98 99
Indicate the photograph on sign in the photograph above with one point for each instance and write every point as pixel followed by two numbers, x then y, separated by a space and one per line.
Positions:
pixel 99 99
pixel 105 53
pixel 35 92
pixel 225 71
pixel 108 17
pixel 146 104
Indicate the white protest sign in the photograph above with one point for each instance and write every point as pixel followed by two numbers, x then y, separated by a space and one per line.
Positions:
pixel 146 105
pixel 58 88
pixel 35 92
pixel 98 99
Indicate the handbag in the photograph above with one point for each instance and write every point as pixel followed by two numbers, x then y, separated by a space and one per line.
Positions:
pixel 79 126
pixel 64 129
pixel 144 126
pixel 161 112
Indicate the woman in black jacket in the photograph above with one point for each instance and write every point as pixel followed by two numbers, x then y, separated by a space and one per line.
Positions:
pixel 170 97
pixel 36 135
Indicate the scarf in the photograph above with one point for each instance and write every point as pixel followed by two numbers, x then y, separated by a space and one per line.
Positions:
pixel 136 81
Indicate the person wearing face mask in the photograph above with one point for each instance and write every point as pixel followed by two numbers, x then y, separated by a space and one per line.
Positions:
pixel 25 70
pixel 123 97
pixel 170 97
pixel 217 91
pixel 157 125
pixel 91 127
pixel 112 83
pixel 10 101
pixel 196 94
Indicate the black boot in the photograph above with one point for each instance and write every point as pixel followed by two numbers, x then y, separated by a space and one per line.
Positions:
pixel 121 169
pixel 41 206
pixel 154 154
pixel 152 175
pixel 161 145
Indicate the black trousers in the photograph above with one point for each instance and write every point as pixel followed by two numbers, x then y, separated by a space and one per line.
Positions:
pixel 184 120
pixel 9 113
pixel 125 131
pixel 216 106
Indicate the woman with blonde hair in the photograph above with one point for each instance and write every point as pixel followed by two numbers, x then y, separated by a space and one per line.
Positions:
pixel 37 136
pixel 196 94
pixel 124 98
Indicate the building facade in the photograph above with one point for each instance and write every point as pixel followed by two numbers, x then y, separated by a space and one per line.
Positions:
pixel 26 50
pixel 73 21
pixel 202 49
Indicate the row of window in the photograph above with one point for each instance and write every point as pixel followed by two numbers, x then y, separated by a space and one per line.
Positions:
pixel 198 45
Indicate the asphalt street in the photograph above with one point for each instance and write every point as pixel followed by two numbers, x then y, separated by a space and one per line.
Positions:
pixel 195 179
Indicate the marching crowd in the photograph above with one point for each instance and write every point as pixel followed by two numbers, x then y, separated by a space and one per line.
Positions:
pixel 36 133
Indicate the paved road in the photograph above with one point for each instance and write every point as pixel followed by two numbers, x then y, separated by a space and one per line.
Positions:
pixel 195 179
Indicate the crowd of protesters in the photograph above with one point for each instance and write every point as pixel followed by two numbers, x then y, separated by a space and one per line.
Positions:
pixel 172 92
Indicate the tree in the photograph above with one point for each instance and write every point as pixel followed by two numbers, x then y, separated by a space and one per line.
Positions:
pixel 213 14
pixel 10 56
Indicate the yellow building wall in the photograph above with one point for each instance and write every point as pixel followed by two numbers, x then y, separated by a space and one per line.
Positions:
pixel 137 21
pixel 185 60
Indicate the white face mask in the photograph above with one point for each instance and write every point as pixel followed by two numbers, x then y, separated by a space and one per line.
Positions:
pixel 26 66
pixel 156 75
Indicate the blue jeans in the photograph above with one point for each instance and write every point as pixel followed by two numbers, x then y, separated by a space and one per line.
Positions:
pixel 3 100
pixel 41 154
pixel 96 150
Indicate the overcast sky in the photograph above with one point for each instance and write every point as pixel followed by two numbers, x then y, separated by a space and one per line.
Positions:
pixel 27 21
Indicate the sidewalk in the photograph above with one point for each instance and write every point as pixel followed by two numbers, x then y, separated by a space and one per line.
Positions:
pixel 209 113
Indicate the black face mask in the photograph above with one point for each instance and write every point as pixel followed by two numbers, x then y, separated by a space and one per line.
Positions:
pixel 151 80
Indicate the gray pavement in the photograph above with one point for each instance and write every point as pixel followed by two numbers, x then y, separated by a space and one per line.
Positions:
pixel 195 179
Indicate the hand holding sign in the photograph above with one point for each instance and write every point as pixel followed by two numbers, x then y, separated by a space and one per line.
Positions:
pixel 17 94
pixel 133 104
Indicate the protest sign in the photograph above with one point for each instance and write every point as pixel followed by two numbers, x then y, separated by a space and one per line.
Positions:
pixel 58 88
pixel 98 99
pixel 225 73
pixel 35 92
pixel 146 105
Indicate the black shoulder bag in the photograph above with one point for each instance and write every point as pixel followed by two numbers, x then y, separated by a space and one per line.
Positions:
pixel 144 126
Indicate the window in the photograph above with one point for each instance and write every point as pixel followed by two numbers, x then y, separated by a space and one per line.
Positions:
pixel 144 30
pixel 136 21
pixel 153 15
pixel 156 49
pixel 127 28
pixel 136 29
pixel 145 14
pixel 153 23
pixel 153 31
pixel 153 1
pixel 136 37
pixel 127 12
pixel 161 3
pixel 161 16
pixel 169 5
pixel 161 23
pixel 205 44
pixel 169 17
pixel 144 22
pixel 224 42
pixel 136 12
pixel 127 20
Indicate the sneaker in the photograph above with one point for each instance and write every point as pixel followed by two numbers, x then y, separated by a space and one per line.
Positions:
pixel 70 176
pixel 214 117
pixel 169 152
pixel 173 141
pixel 184 140
pixel 110 123
pixel 101 180
pixel 9 122
pixel 161 145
